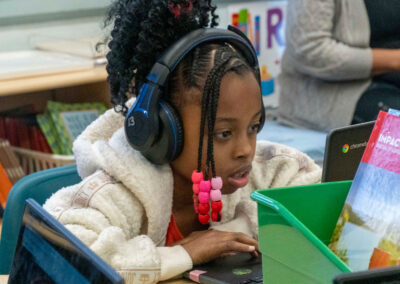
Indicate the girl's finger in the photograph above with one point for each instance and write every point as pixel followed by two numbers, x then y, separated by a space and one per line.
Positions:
pixel 237 246
pixel 245 239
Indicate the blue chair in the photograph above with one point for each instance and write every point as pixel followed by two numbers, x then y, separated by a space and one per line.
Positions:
pixel 38 186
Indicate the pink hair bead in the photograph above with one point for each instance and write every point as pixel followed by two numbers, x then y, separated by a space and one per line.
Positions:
pixel 205 186
pixel 216 195
pixel 196 188
pixel 204 197
pixel 216 183
pixel 197 176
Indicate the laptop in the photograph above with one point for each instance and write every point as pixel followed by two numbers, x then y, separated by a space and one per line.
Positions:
pixel 47 252
pixel 343 151
pixel 241 268
pixel 389 275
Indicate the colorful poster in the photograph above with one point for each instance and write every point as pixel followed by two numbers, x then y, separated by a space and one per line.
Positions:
pixel 264 25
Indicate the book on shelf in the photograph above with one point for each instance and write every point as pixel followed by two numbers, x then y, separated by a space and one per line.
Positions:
pixel 367 234
pixel 23 132
pixel 62 123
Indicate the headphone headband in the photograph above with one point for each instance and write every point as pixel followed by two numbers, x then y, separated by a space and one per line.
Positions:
pixel 170 59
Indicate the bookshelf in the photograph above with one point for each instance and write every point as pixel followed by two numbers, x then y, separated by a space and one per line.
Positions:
pixel 70 87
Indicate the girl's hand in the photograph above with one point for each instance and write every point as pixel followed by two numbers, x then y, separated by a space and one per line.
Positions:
pixel 204 246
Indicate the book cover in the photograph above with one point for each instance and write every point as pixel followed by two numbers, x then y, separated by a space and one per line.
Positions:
pixel 62 123
pixel 367 234
pixel 48 128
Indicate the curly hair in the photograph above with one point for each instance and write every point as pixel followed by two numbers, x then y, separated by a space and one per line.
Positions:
pixel 142 30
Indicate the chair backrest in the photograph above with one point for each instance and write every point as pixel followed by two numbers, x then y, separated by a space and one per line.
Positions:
pixel 38 186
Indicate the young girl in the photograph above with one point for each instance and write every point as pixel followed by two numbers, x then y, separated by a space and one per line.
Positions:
pixel 152 222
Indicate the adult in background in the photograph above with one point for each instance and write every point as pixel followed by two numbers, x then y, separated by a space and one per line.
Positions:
pixel 342 62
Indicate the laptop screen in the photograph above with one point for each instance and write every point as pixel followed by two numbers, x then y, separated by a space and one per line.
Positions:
pixel 343 151
pixel 47 252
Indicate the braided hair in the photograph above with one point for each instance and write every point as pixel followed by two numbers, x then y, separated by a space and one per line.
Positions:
pixel 142 30
pixel 226 60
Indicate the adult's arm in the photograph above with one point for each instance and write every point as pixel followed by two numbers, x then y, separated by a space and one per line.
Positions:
pixel 312 49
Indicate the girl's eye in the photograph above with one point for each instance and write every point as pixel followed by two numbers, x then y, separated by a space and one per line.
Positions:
pixel 223 134
pixel 255 127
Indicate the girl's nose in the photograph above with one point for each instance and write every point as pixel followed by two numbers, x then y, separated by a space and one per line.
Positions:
pixel 243 147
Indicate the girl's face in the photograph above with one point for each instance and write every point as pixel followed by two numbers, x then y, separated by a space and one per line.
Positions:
pixel 235 132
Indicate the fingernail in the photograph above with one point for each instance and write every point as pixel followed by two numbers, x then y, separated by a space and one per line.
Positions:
pixel 252 248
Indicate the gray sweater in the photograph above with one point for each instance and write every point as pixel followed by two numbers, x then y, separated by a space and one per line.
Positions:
pixel 327 62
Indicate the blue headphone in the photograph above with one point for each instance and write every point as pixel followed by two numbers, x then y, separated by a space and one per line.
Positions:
pixel 152 125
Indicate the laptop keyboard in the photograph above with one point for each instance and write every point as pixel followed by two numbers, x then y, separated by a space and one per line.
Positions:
pixel 257 279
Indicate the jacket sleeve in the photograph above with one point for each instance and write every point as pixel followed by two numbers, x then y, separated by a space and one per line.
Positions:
pixel 274 165
pixel 111 223
pixel 277 165
pixel 312 49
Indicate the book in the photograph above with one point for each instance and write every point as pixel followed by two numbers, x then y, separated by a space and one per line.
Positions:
pixel 367 234
pixel 41 140
pixel 63 123
pixel 48 128
pixel 11 131
pixel 23 135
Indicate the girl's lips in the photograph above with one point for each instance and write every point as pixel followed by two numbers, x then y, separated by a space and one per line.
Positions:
pixel 240 179
pixel 239 182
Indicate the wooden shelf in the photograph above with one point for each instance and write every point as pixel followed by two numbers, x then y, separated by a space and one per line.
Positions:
pixel 53 81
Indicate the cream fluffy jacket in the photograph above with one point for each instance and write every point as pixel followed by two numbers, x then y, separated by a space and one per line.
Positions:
pixel 122 208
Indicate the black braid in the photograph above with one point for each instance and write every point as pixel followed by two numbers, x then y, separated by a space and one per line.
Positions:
pixel 220 64
pixel 204 107
pixel 204 104
pixel 226 60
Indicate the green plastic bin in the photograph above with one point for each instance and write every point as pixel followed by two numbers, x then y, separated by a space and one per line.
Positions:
pixel 295 227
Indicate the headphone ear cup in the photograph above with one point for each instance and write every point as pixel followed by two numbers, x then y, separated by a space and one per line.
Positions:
pixel 173 125
pixel 169 143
